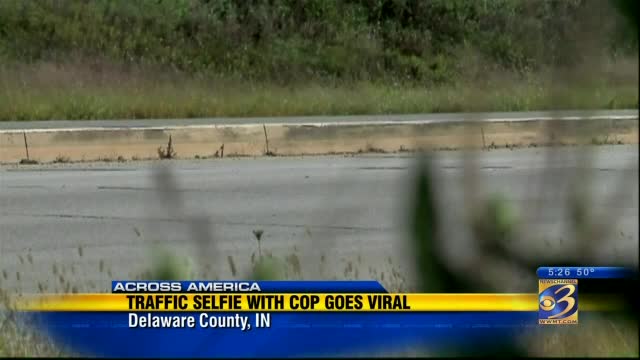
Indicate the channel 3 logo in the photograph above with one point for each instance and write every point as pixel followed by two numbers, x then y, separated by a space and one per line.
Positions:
pixel 558 301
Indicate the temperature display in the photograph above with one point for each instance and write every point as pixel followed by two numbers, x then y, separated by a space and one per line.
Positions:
pixel 583 272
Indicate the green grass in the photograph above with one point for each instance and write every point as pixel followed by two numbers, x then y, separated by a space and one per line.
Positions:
pixel 198 58
pixel 54 92
pixel 16 341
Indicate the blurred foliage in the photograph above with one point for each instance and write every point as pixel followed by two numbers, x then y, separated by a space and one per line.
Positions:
pixel 166 265
pixel 433 273
pixel 629 8
pixel 267 268
pixel 629 33
pixel 285 40
pixel 494 225
pixel 496 221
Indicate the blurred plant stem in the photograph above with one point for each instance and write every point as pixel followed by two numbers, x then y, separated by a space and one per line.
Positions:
pixel 433 274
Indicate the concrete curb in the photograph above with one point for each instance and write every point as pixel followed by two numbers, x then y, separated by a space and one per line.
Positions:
pixel 88 144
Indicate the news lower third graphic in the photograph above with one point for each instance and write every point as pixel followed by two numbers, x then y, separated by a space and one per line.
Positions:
pixel 282 318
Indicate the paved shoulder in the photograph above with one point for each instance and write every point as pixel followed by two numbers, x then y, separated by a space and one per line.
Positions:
pixel 423 118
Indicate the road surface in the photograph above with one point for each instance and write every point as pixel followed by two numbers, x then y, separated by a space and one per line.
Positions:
pixel 78 226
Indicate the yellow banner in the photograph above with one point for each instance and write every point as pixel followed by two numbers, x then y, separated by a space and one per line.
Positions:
pixel 294 302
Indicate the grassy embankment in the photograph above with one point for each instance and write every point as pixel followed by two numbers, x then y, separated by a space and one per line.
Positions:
pixel 150 59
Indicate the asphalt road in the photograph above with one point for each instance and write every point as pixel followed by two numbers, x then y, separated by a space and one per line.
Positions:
pixel 78 226
pixel 444 117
